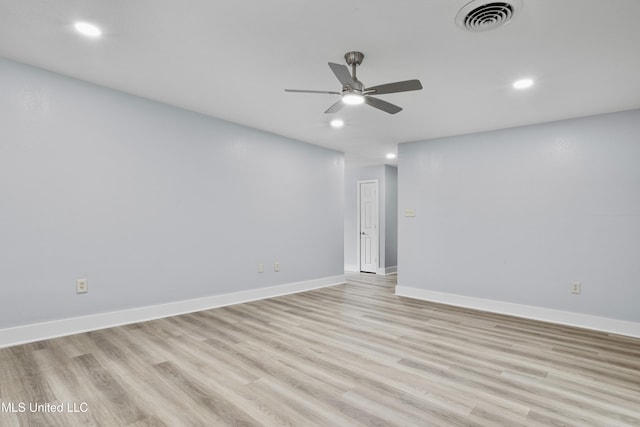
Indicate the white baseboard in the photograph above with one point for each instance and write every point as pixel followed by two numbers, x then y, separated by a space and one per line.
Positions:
pixel 352 268
pixel 604 324
pixel 58 328
pixel 387 270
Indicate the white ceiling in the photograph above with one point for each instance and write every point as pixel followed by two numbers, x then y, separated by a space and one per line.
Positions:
pixel 232 59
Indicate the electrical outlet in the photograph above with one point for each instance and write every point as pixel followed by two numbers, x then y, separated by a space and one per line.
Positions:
pixel 276 266
pixel 82 286
pixel 576 287
pixel 410 212
pixel 261 268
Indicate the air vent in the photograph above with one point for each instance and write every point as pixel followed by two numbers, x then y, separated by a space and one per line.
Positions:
pixel 483 15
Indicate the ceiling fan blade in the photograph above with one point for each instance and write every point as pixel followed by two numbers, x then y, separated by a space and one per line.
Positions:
pixel 312 91
pixel 335 107
pixel 382 105
pixel 404 86
pixel 342 73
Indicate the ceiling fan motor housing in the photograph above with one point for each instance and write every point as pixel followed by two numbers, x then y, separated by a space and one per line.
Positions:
pixel 356 87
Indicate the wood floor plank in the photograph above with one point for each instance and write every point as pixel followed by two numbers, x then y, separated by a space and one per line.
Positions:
pixel 124 409
pixel 216 405
pixel 349 355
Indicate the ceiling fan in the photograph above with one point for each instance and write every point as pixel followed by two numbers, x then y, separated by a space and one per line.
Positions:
pixel 354 92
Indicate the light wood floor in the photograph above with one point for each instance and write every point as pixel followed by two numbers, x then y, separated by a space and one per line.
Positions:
pixel 354 354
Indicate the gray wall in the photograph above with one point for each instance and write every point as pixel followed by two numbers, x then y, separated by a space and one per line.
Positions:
pixel 391 216
pixel 152 203
pixel 516 215
pixel 387 201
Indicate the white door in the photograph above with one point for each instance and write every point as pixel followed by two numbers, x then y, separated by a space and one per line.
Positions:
pixel 369 226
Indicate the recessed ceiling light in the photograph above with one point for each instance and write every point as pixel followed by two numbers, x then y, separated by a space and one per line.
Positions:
pixel 352 99
pixel 87 29
pixel 391 155
pixel 337 123
pixel 523 84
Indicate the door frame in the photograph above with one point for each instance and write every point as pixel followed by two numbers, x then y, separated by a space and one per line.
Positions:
pixel 368 181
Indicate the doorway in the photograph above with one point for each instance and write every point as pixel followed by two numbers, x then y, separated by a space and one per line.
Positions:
pixel 368 225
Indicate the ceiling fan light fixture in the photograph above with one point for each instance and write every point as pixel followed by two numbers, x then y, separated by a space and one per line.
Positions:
pixel 353 99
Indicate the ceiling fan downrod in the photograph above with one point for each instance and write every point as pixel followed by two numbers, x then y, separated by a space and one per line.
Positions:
pixel 354 59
